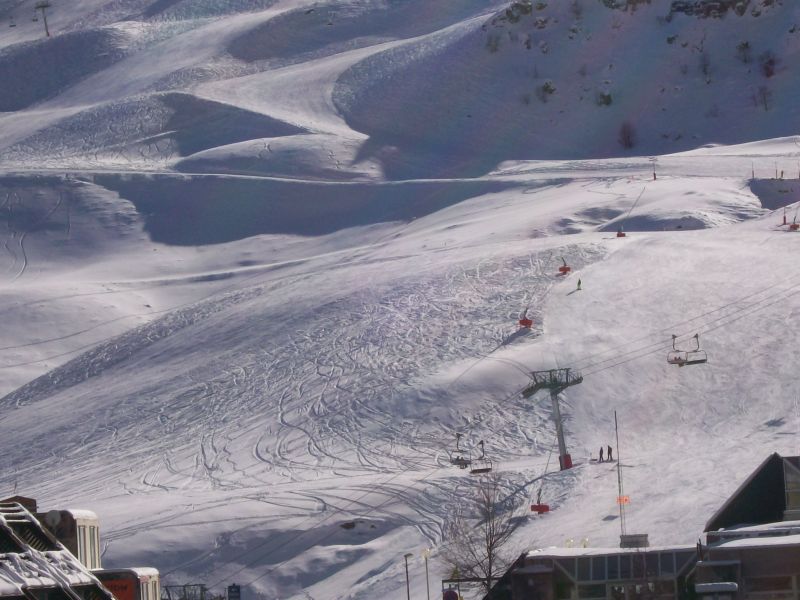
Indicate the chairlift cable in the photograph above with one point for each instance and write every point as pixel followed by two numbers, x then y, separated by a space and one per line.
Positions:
pixel 630 210
pixel 579 363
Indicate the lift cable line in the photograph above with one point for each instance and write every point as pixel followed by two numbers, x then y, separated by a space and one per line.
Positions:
pixel 703 327
pixel 722 322
pixel 588 363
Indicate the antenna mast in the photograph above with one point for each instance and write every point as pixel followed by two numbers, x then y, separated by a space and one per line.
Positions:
pixel 621 498
pixel 43 5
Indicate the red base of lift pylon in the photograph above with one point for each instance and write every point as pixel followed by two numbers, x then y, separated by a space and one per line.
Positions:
pixel 525 323
pixel 564 270
pixel 540 509
pixel 620 234
pixel 565 462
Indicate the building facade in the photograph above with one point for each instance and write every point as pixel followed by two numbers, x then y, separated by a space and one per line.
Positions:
pixel 751 552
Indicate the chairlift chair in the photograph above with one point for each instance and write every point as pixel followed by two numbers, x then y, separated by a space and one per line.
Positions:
pixel 481 464
pixel 540 507
pixel 12 24
pixel 35 16
pixel 684 358
pixel 458 457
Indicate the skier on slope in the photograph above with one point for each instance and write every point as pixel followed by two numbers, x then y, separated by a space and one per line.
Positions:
pixel 579 284
pixel 601 454
pixel 610 454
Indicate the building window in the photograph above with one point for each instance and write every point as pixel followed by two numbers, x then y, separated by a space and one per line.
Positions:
pixel 564 590
pixel 665 588
pixel 93 547
pixel 760 585
pixel 682 559
pixel 667 563
pixel 599 568
pixel 613 567
pixel 568 564
pixel 586 592
pixel 82 544
pixel 625 566
pixel 584 569
pixel 652 564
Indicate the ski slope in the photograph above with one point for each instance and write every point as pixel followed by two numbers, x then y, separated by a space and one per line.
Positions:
pixel 263 260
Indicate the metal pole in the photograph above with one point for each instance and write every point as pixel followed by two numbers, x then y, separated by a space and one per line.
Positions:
pixel 408 585
pixel 562 444
pixel 619 479
pixel 426 553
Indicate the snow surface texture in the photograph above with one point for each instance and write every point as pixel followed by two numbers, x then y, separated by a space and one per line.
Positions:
pixel 263 259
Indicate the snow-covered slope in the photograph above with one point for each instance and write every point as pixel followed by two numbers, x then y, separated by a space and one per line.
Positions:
pixel 263 259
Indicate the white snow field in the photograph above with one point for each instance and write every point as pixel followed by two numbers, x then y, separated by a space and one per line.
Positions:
pixel 262 260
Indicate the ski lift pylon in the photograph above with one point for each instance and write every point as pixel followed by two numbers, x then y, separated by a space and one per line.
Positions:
pixel 620 233
pixel 524 321
pixel 684 358
pixel 565 268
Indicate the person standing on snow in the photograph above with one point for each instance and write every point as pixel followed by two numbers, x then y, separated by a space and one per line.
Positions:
pixel 610 453
pixel 579 284
pixel 601 454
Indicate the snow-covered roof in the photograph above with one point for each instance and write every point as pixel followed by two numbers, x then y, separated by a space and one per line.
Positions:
pixel 52 565
pixel 556 552
pixel 776 526
pixel 9 588
pixel 140 571
pixel 82 513
pixel 761 542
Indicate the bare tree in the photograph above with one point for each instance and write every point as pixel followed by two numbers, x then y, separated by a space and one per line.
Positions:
pixel 769 63
pixel 743 52
pixel 478 532
pixel 705 64
pixel 764 96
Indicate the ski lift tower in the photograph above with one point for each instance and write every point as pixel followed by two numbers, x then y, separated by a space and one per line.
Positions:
pixel 556 381
pixel 43 5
